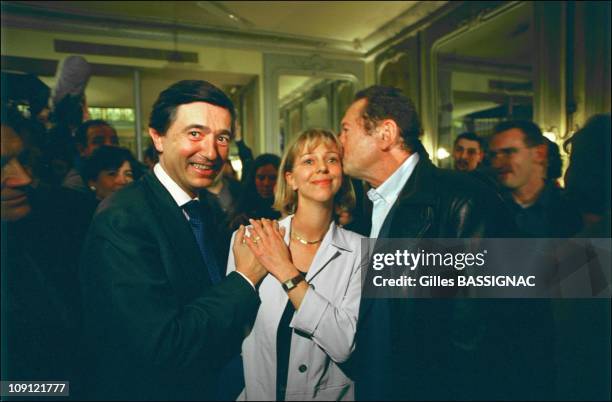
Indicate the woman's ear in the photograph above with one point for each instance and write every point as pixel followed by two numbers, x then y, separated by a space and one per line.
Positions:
pixel 290 181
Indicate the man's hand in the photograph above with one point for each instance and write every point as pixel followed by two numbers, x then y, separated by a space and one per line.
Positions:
pixel 246 263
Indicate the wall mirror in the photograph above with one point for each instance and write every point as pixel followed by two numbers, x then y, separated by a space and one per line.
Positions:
pixel 483 75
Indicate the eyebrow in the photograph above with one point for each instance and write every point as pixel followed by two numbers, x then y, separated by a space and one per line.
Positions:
pixel 326 153
pixel 206 129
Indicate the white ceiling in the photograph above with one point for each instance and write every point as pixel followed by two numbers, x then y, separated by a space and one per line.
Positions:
pixel 349 26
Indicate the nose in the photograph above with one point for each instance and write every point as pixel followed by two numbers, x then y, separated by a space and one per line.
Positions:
pixel 121 179
pixel 208 147
pixel 15 175
pixel 322 166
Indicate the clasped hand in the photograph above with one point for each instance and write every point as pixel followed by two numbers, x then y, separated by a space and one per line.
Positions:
pixel 267 245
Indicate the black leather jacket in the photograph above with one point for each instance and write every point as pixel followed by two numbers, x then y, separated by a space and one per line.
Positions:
pixel 437 203
pixel 463 349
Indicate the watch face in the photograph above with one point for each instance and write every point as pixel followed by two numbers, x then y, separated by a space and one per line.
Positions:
pixel 291 283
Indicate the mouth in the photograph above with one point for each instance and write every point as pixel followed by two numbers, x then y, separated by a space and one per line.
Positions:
pixel 502 174
pixel 16 200
pixel 322 182
pixel 204 169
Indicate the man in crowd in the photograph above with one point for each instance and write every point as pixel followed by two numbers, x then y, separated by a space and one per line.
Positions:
pixel 518 152
pixel 39 286
pixel 468 152
pixel 160 319
pixel 429 349
pixel 90 136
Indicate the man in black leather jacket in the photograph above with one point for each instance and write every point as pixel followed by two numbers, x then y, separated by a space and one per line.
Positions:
pixel 423 349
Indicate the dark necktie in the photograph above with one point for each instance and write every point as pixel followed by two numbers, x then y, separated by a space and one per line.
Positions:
pixel 198 226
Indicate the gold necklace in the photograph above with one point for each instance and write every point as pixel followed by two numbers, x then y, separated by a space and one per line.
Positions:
pixel 302 240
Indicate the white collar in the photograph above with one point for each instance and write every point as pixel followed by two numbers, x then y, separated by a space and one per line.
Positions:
pixel 389 190
pixel 179 195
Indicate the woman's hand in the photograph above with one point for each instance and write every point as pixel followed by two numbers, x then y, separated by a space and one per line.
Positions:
pixel 246 263
pixel 268 244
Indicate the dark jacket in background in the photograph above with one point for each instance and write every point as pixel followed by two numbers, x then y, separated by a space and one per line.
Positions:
pixel 551 215
pixel 40 294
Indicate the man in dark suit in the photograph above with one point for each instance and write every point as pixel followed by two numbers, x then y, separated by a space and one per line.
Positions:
pixel 425 349
pixel 160 320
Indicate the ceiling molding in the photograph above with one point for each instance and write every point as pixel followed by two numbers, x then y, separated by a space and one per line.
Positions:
pixel 20 15
pixel 408 23
pixel 453 62
pixel 48 68
pixel 74 47
pixel 398 25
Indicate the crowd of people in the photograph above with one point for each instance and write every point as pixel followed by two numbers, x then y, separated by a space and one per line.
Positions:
pixel 174 280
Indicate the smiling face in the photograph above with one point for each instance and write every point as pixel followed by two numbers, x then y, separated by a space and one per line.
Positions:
pixel 195 146
pixel 15 179
pixel 316 174
pixel 109 181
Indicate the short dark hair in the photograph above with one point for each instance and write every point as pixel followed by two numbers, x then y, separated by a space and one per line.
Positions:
pixel 390 103
pixel 470 136
pixel 184 92
pixel 80 135
pixel 532 133
pixel 107 158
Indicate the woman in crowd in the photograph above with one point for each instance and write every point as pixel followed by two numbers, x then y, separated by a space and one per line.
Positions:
pixel 587 179
pixel 109 169
pixel 258 191
pixel 306 323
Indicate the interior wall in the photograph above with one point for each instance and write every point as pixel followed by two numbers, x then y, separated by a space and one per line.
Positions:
pixel 218 65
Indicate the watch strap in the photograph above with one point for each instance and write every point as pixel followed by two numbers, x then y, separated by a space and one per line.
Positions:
pixel 293 282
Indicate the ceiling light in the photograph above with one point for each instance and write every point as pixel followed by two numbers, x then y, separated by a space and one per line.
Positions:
pixel 442 153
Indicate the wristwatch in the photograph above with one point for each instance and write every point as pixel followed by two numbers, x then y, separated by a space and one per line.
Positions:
pixel 293 282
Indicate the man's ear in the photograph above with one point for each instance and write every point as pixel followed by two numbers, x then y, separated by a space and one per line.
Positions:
pixel 387 133
pixel 290 181
pixel 481 156
pixel 157 140
pixel 541 153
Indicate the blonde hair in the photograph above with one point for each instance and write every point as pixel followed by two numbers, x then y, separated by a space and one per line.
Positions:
pixel 285 198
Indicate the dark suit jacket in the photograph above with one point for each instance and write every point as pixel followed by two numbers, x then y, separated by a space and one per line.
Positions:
pixel 444 349
pixel 155 327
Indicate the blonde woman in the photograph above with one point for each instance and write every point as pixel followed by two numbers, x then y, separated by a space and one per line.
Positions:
pixel 310 300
